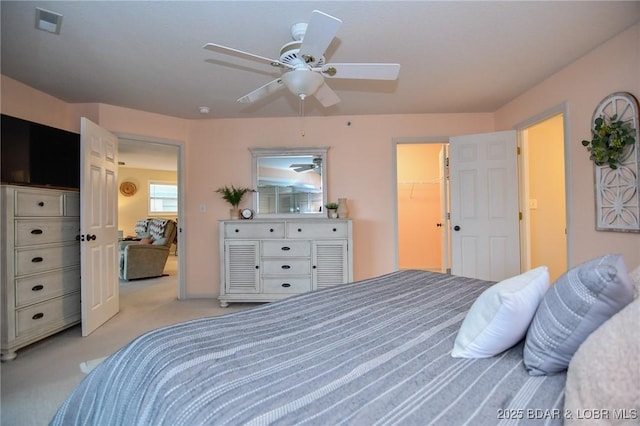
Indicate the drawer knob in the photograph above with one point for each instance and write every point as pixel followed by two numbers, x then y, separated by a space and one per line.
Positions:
pixel 334 229
pixel 286 267
pixel 38 316
pixel 37 259
pixel 314 266
pixel 257 266
pixel 271 230
pixel 299 229
pixel 285 248
pixel 286 285
pixel 41 203
pixel 36 231
pixel 237 230
pixel 37 287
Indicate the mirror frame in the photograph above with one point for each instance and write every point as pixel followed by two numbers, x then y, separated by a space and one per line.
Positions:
pixel 257 153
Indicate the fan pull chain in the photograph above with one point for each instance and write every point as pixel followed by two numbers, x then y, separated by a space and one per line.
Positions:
pixel 301 112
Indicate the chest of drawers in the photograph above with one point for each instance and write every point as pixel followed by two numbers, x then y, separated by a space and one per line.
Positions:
pixel 265 260
pixel 40 264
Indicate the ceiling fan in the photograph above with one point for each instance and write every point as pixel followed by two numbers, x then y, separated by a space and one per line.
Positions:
pixel 305 167
pixel 303 63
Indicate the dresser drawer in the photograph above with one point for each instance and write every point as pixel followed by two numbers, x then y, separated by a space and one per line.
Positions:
pixel 44 231
pixel 33 203
pixel 286 267
pixel 48 314
pixel 254 230
pixel 286 248
pixel 45 286
pixel 72 204
pixel 321 230
pixel 292 285
pixel 39 259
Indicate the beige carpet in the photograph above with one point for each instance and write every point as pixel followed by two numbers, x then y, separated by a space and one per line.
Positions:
pixel 43 374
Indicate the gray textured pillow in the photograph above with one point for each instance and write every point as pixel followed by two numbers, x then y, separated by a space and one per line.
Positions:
pixel 635 279
pixel 578 303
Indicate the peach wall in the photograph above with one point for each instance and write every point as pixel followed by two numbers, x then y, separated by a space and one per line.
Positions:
pixel 359 167
pixel 613 67
pixel 217 153
pixel 360 157
pixel 22 101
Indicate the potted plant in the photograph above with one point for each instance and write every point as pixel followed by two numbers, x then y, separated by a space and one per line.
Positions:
pixel 333 209
pixel 610 138
pixel 233 196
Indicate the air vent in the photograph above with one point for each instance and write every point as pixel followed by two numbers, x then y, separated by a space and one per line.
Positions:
pixel 48 21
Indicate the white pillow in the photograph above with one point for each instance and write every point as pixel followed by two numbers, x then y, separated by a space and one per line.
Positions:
pixel 501 315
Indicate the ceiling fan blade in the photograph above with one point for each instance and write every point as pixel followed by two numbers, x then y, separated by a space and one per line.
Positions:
pixel 326 96
pixel 245 55
pixel 322 28
pixel 262 91
pixel 361 71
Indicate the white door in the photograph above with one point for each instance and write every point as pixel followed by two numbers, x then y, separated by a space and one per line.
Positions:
pixel 484 205
pixel 443 176
pixel 98 225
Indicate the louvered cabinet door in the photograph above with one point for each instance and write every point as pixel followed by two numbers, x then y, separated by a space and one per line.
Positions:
pixel 242 267
pixel 330 263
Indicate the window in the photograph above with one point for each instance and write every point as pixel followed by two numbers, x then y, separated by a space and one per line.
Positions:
pixel 163 198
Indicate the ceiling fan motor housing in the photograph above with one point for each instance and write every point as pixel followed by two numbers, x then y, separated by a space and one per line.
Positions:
pixel 289 56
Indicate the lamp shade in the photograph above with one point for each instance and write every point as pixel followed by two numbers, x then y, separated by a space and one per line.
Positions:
pixel 302 82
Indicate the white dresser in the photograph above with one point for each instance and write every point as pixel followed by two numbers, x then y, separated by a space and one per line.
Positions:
pixel 40 264
pixel 265 260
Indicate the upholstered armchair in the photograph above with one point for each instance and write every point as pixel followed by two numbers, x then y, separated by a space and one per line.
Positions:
pixel 147 255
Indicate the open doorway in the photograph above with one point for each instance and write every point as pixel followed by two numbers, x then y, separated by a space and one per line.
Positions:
pixel 543 196
pixel 153 167
pixel 541 189
pixel 421 206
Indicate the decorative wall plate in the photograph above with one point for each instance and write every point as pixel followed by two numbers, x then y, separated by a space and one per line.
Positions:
pixel 617 192
pixel 128 189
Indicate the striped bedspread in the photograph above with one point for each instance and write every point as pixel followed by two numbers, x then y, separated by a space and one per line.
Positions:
pixel 372 353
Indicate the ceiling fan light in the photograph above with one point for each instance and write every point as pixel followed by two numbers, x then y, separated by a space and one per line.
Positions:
pixel 302 83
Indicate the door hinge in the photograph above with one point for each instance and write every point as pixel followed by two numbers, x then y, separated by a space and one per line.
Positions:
pixel 446 161
pixel 520 215
pixel 448 216
pixel 518 150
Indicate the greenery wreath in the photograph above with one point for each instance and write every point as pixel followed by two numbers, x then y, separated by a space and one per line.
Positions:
pixel 610 137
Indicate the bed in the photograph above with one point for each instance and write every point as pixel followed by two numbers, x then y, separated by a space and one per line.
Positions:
pixel 369 353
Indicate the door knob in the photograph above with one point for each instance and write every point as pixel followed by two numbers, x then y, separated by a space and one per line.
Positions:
pixel 456 228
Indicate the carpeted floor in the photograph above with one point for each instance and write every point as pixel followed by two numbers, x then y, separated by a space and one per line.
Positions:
pixel 43 374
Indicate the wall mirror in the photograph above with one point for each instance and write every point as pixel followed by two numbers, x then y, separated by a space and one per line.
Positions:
pixel 289 181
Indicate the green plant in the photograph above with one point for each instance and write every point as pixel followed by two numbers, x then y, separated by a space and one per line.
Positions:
pixel 609 139
pixel 233 195
pixel 331 206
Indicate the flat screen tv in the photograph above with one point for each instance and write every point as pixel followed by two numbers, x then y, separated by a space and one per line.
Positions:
pixel 39 155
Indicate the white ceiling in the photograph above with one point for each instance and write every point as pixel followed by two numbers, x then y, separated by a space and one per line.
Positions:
pixel 455 56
